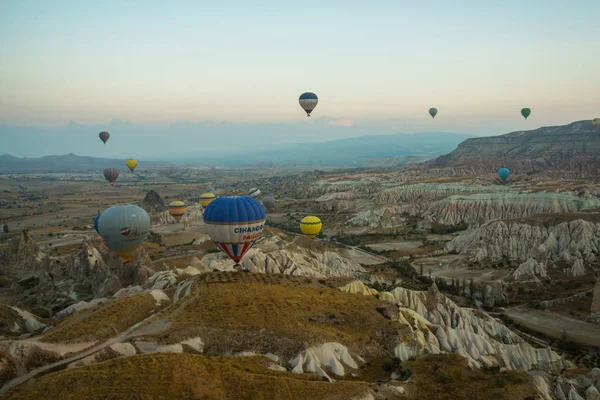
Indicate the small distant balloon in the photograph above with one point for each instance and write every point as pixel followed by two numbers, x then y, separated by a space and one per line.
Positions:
pixel 596 123
pixel 111 175
pixel 177 209
pixel 206 199
pixel 311 226
pixel 433 112
pixel 525 112
pixel 254 193
pixel 308 102
pixel 104 136
pixel 124 228
pixel 131 164
pixel 235 224
pixel 503 173
pixel 269 203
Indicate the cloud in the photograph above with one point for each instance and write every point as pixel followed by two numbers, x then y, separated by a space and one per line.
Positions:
pixel 341 122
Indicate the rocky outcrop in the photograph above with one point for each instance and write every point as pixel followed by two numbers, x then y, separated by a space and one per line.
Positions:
pixel 573 147
pixel 530 270
pixel 525 239
pixel 153 203
pixel 430 191
pixel 23 257
pixel 477 209
pixel 290 261
pixel 385 217
pixel 333 356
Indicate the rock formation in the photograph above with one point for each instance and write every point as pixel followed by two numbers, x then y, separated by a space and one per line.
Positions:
pixel 530 270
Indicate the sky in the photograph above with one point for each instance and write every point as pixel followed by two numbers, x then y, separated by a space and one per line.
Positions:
pixel 212 75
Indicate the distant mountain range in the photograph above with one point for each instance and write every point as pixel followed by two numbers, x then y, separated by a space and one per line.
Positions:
pixel 574 147
pixel 65 163
pixel 352 151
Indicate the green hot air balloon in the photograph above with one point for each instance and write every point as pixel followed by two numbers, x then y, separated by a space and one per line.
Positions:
pixel 525 112
pixel 124 228
pixel 433 112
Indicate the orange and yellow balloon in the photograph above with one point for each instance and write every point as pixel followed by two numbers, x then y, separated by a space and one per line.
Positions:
pixel 177 209
pixel 206 198
pixel 311 226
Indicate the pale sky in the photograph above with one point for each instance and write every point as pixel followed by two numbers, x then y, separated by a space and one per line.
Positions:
pixel 377 66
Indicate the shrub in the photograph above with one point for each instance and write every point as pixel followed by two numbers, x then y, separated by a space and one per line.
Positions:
pixel 443 377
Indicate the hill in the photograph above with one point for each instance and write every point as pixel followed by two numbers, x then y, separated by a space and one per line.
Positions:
pixel 351 151
pixel 572 147
pixel 65 163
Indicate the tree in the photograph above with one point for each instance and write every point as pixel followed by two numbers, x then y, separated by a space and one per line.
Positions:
pixel 429 273
pixel 421 269
pixel 5 228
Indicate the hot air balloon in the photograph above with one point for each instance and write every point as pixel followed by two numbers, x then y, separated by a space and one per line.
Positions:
pixel 206 198
pixel 104 136
pixel 254 193
pixel 131 164
pixel 269 202
pixel 525 112
pixel 596 123
pixel 308 101
pixel 433 112
pixel 123 229
pixel 504 173
pixel 311 226
pixel 111 175
pixel 177 209
pixel 235 224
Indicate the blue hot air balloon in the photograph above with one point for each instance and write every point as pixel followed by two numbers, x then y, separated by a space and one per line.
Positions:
pixel 308 102
pixel 235 224
pixel 504 173
pixel 96 222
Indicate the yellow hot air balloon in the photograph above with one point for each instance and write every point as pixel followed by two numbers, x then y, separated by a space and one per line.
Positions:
pixel 311 226
pixel 131 164
pixel 206 198
pixel 177 209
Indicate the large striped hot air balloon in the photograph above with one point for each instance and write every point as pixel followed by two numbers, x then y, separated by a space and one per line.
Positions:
pixel 235 224
pixel 177 209
pixel 311 226
pixel 124 228
pixel 433 112
pixel 131 164
pixel 206 198
pixel 254 193
pixel 111 175
pixel 269 202
pixel 308 101
pixel 503 173
pixel 596 123
pixel 104 136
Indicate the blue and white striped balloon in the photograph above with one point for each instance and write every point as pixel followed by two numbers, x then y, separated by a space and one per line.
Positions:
pixel 235 224
pixel 308 101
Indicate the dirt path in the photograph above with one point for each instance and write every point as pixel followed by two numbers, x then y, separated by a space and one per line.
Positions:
pixel 556 325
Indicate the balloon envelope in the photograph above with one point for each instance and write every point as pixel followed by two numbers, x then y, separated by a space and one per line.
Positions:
pixel 206 199
pixel 311 226
pixel 96 222
pixel 111 175
pixel 254 193
pixel 525 112
pixel 131 164
pixel 433 112
pixel 235 224
pixel 269 202
pixel 104 136
pixel 308 102
pixel 124 228
pixel 177 209
pixel 596 123
pixel 504 173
